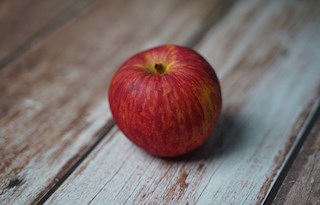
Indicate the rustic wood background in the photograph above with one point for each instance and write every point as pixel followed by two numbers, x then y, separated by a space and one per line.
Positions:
pixel 60 145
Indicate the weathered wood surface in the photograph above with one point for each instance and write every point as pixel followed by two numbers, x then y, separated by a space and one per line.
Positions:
pixel 54 97
pixel 25 22
pixel 266 54
pixel 302 184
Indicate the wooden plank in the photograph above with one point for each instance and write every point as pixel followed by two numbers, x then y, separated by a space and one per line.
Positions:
pixel 53 98
pixel 301 185
pixel 25 22
pixel 266 54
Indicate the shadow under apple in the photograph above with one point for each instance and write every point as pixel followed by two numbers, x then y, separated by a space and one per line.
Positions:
pixel 224 138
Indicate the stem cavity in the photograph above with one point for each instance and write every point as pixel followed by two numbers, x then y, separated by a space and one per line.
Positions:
pixel 160 68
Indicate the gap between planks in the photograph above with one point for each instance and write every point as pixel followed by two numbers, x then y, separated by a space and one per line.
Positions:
pixel 301 185
pixel 62 18
pixel 292 155
pixel 101 134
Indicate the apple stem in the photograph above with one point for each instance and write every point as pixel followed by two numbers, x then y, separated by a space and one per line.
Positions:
pixel 159 67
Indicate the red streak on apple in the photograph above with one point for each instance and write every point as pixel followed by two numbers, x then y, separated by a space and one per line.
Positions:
pixel 166 100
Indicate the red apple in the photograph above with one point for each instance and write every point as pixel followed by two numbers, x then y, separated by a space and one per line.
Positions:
pixel 166 100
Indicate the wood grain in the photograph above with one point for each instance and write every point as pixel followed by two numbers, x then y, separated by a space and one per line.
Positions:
pixel 266 54
pixel 301 185
pixel 25 22
pixel 53 98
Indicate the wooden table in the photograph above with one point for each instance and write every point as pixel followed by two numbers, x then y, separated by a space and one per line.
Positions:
pixel 60 145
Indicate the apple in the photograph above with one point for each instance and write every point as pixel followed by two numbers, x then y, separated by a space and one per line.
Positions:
pixel 166 100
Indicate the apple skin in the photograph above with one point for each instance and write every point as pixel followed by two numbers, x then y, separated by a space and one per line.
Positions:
pixel 166 100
